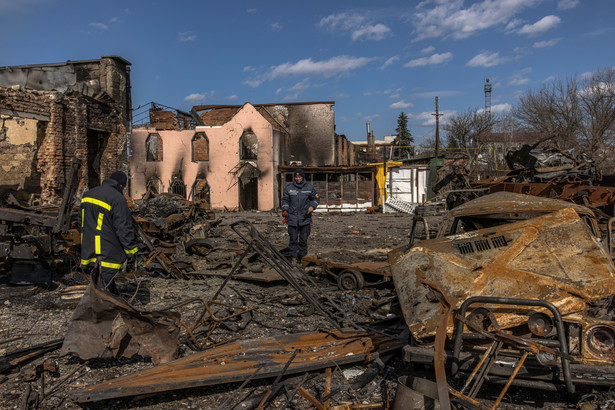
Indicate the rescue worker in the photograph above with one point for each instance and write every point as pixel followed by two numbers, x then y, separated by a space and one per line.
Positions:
pixel 107 234
pixel 298 202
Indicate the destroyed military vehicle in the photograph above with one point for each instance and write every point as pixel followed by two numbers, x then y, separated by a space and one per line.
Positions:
pixel 518 274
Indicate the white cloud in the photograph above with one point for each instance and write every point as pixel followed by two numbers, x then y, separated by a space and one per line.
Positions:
pixel 433 94
pixel 438 18
pixel 547 43
pixel 99 26
pixel 567 4
pixel 327 68
pixel 250 11
pixel 428 119
pixel 276 26
pixel 301 85
pixel 359 26
pixel 186 36
pixel 342 21
pixel 428 50
pixel 376 32
pixel 370 118
pixel 499 108
pixel 253 82
pixel 401 104
pixel 389 62
pixel 196 97
pixel 232 97
pixel 486 59
pixel 544 24
pixel 431 60
pixel 517 80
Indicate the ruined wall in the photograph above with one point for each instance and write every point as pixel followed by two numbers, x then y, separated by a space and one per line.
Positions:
pixel 312 130
pixel 223 160
pixel 73 105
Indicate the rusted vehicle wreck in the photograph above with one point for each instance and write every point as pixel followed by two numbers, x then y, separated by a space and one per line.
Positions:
pixel 517 289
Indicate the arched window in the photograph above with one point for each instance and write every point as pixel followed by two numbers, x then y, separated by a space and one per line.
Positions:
pixel 153 147
pixel 178 187
pixel 200 190
pixel 154 185
pixel 200 147
pixel 248 146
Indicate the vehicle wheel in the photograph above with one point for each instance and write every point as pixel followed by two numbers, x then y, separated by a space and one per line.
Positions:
pixel 350 280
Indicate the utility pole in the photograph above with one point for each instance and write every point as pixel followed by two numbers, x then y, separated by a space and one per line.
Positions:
pixel 437 114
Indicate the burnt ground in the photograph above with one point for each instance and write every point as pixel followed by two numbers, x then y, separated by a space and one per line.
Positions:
pixel 31 315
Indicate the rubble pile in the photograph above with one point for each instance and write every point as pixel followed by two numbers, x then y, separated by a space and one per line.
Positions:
pixel 385 312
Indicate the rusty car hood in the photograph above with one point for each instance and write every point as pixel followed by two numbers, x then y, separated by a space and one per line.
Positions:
pixel 552 257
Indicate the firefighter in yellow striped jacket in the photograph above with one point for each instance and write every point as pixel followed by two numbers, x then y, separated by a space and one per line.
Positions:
pixel 107 235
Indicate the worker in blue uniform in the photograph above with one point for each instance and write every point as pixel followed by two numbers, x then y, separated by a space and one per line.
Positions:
pixel 299 200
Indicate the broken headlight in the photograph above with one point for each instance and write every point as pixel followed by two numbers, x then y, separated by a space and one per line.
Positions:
pixel 601 340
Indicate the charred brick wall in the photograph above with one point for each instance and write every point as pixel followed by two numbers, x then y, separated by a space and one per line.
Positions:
pixel 63 122
pixel 87 119
pixel 312 134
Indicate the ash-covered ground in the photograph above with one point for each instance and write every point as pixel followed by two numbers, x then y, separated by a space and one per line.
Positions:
pixel 32 315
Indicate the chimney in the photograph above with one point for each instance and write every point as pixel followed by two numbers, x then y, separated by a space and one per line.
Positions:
pixel 371 142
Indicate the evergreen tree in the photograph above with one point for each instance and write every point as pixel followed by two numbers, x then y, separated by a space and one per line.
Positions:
pixel 404 138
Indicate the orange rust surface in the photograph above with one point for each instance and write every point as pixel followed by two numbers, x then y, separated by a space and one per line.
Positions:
pixel 553 257
pixel 237 361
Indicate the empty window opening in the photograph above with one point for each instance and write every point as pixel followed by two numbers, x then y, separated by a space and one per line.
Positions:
pixel 248 146
pixel 200 190
pixel 200 147
pixel 154 185
pixel 153 147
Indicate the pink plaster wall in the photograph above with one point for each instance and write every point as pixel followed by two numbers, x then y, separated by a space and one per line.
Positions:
pixel 223 157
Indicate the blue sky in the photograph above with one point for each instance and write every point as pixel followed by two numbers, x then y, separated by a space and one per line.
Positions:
pixel 374 59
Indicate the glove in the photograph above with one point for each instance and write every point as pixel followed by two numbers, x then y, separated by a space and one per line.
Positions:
pixel 130 259
pixel 285 215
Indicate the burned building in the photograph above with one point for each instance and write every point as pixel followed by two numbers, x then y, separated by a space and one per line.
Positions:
pixel 310 126
pixel 230 155
pixel 231 159
pixel 50 113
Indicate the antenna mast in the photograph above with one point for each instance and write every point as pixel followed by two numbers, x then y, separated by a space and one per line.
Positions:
pixel 487 96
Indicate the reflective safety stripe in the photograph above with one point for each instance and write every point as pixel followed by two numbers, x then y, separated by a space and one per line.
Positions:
pixel 130 252
pixel 97 202
pixel 103 264
pixel 88 261
pixel 82 217
pixel 97 250
pixel 99 223
pixel 111 265
pixel 81 239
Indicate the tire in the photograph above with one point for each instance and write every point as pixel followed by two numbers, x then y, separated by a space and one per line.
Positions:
pixel 350 280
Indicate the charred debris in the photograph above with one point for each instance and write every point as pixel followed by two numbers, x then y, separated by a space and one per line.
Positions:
pixel 506 294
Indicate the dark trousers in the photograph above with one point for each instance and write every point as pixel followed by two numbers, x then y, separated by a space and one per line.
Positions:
pixel 298 242
pixel 103 277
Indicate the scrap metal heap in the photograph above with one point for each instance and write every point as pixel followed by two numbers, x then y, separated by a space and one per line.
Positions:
pixel 37 240
pixel 523 286
pixel 171 228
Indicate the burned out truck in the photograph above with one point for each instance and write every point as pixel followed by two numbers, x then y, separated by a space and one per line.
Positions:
pixel 527 287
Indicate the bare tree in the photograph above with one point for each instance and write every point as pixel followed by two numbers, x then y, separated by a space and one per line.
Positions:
pixel 465 132
pixel 553 110
pixel 597 102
